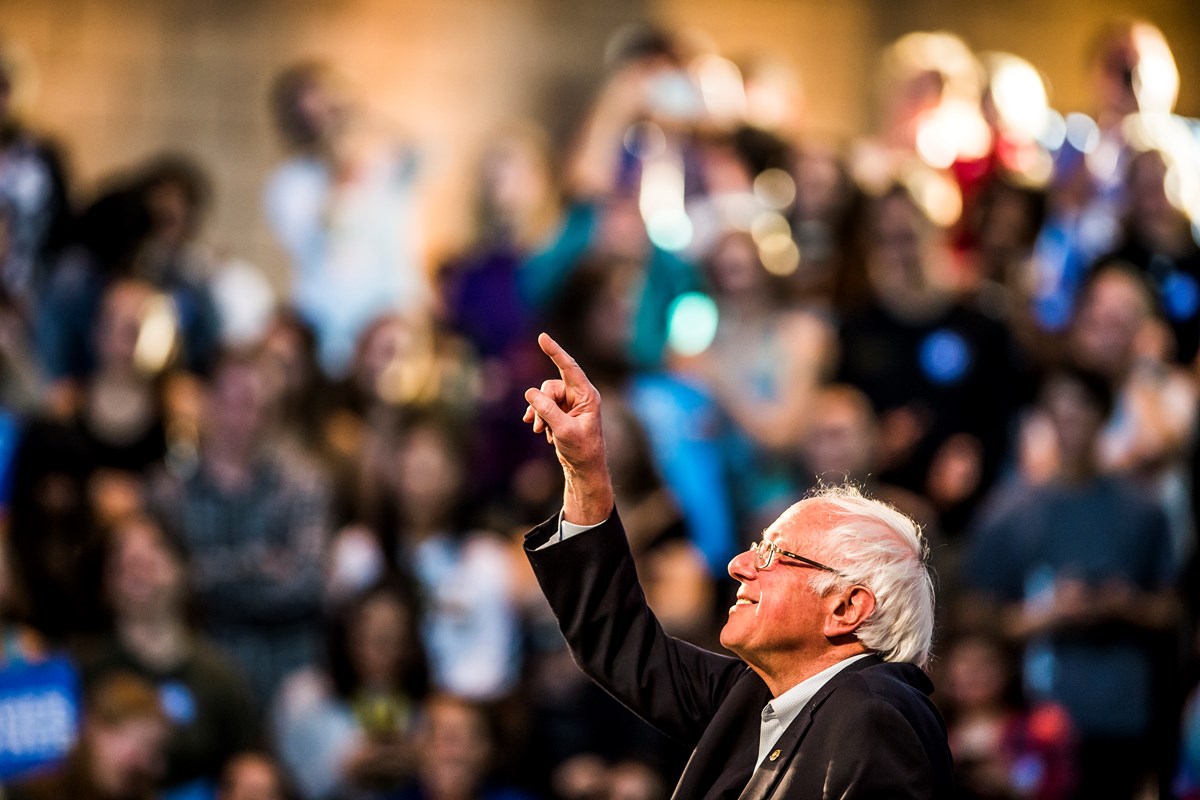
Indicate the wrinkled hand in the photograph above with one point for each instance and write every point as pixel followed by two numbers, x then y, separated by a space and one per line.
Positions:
pixel 567 411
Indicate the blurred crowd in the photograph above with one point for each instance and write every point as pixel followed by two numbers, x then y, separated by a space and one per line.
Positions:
pixel 268 546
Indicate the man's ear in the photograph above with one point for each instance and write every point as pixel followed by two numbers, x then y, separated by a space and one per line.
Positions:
pixel 851 609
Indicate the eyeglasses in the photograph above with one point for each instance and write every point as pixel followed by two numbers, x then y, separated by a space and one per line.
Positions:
pixel 765 552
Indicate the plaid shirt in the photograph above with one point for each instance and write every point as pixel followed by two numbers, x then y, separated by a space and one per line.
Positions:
pixel 256 555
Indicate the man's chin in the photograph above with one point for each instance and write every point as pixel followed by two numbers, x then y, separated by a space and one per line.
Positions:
pixel 730 640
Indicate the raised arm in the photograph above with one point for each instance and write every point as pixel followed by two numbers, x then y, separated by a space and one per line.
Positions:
pixel 591 583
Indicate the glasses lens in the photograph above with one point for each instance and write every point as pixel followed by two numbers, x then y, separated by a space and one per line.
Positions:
pixel 764 552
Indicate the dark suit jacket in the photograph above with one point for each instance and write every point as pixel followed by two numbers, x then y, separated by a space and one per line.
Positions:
pixel 870 732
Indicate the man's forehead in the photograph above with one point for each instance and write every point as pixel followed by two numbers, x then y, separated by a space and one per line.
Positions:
pixel 802 523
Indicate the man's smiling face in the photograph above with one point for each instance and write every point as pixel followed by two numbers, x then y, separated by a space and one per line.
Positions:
pixel 778 615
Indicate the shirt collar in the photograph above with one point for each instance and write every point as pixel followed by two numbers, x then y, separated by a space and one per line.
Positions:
pixel 788 705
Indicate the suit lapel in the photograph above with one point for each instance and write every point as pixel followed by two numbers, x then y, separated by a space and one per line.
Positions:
pixel 724 757
pixel 767 774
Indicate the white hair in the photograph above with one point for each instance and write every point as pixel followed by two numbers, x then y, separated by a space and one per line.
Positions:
pixel 880 548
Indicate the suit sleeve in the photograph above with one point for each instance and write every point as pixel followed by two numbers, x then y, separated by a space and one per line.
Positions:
pixel 592 586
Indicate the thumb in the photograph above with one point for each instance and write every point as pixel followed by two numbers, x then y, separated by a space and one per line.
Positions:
pixel 545 407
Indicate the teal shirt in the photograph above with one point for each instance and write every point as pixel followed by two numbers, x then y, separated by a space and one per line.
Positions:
pixel 542 276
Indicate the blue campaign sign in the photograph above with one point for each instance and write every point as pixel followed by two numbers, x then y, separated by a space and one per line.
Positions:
pixel 39 714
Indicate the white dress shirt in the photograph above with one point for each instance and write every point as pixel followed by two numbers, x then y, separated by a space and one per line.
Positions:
pixel 781 712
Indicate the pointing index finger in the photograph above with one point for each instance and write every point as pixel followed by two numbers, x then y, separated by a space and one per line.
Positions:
pixel 570 370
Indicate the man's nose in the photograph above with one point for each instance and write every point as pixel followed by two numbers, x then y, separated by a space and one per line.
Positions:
pixel 741 567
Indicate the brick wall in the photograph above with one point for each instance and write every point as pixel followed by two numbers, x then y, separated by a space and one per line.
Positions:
pixel 124 79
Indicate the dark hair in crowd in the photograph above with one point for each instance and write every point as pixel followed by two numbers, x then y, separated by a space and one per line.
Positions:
pixel 1096 389
pixel 413 676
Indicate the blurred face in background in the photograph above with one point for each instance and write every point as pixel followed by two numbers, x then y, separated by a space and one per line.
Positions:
pixel 144 575
pixel 397 361
pixel 1112 311
pixel 820 185
pixel 607 324
pixel 429 476
pixel 734 267
pixel 630 780
pixel 287 361
pixel 251 777
pixel 389 341
pixel 379 641
pixel 976 674
pixel 1075 419
pixel 840 439
pixel 1114 74
pixel 127 757
pixel 896 255
pixel 320 108
pixel 516 180
pixel 237 400
pixel 1134 70
pixel 454 748
pixel 173 215
pixel 120 325
pixel 622 232
pixel 1009 225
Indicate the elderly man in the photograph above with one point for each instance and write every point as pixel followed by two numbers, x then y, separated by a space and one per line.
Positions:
pixel 833 622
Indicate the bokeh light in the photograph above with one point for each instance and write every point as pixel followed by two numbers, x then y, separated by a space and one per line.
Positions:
pixel 692 323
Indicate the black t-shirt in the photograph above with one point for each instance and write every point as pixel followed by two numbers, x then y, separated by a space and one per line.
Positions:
pixel 957 372
pixel 139 455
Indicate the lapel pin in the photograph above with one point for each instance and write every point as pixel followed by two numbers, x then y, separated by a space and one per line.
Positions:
pixel 775 755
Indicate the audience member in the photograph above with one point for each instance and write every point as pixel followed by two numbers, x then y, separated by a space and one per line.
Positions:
pixel 763 366
pixel 121 414
pixel 516 208
pixel 1132 71
pixel 605 178
pixel 343 207
pixel 254 528
pixel 469 621
pixel 103 242
pixel 51 531
pixel 1079 572
pixel 176 194
pixel 303 399
pixel 1117 333
pixel 456 745
pixel 208 703
pixel 348 729
pixel 941 375
pixel 1159 243
pixel 33 187
pixel 121 751
pixel 1003 747
pixel 400 367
